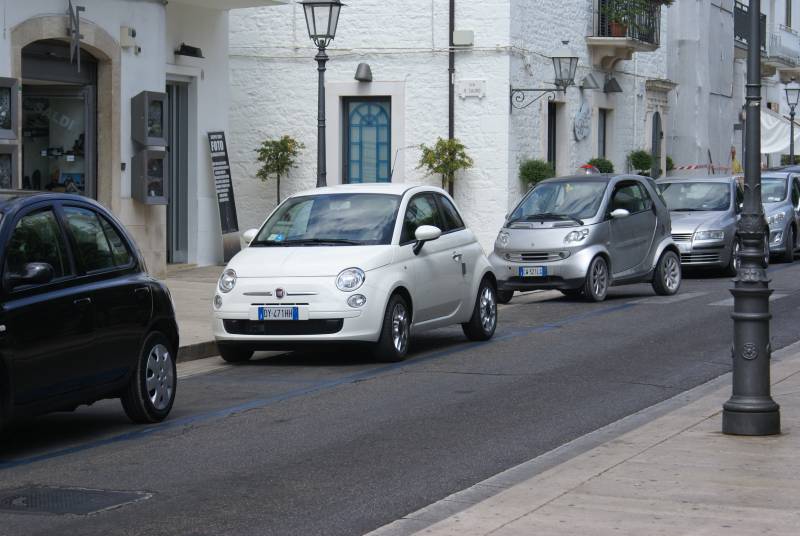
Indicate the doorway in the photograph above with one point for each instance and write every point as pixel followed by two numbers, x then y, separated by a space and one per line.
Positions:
pixel 655 171
pixel 178 162
pixel 59 116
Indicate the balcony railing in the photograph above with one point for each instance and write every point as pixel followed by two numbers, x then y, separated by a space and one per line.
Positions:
pixel 784 44
pixel 631 19
pixel 741 25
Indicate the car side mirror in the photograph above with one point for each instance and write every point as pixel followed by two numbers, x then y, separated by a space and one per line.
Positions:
pixel 34 273
pixel 425 233
pixel 249 235
pixel 620 213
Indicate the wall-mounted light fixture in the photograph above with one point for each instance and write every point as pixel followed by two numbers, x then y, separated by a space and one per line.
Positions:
pixel 364 73
pixel 190 51
pixel 612 86
pixel 565 63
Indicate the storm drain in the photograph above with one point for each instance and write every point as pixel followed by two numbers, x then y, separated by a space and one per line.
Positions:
pixel 60 501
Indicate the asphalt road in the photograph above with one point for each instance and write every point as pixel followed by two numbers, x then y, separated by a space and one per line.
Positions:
pixel 333 444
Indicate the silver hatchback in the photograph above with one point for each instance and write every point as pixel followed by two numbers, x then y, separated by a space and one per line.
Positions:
pixel 583 234
pixel 780 194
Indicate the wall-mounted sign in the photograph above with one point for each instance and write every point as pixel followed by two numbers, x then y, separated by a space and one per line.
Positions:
pixel 74 33
pixel 583 122
pixel 471 89
pixel 221 169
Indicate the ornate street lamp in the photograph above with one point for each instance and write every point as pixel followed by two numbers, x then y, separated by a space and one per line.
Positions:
pixel 565 63
pixel 750 409
pixel 322 18
pixel 792 97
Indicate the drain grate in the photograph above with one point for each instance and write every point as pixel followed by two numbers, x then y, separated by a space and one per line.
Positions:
pixel 59 501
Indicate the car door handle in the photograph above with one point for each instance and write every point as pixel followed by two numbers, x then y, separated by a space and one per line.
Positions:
pixel 82 303
pixel 457 256
pixel 142 292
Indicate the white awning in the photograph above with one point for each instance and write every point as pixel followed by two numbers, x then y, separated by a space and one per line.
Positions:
pixel 230 4
pixel 775 133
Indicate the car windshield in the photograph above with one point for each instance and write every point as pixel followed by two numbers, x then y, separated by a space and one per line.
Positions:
pixel 773 189
pixel 331 220
pixel 696 196
pixel 561 200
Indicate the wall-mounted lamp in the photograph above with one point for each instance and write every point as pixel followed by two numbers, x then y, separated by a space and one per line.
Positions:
pixel 612 86
pixel 589 82
pixel 190 51
pixel 565 63
pixel 364 73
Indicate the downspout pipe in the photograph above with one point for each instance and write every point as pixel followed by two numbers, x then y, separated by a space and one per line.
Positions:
pixel 451 72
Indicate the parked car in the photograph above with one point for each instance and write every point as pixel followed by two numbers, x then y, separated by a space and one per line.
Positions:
pixel 704 213
pixel 585 233
pixel 81 320
pixel 357 264
pixel 780 194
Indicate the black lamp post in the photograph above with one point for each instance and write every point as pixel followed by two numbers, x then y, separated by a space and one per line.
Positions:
pixel 751 410
pixel 565 63
pixel 792 97
pixel 322 17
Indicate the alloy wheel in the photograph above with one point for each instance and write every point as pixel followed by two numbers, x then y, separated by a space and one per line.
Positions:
pixel 599 278
pixel 737 262
pixel 400 327
pixel 488 309
pixel 672 272
pixel 159 378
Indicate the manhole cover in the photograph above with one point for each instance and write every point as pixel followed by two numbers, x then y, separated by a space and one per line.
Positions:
pixel 77 501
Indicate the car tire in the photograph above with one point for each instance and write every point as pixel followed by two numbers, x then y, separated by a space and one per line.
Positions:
pixel 504 296
pixel 595 288
pixel 150 393
pixel 788 252
pixel 234 354
pixel 483 322
pixel 733 266
pixel 667 276
pixel 392 345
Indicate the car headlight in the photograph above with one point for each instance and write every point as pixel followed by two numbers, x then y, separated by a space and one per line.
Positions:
pixel 350 279
pixel 775 219
pixel 709 235
pixel 227 281
pixel 576 236
pixel 503 237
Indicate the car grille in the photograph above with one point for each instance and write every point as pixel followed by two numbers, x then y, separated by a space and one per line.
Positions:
pixel 536 256
pixel 281 327
pixel 682 237
pixel 699 258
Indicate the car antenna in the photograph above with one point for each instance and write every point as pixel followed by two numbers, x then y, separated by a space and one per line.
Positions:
pixel 394 162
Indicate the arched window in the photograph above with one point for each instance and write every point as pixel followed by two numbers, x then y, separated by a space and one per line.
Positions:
pixel 368 143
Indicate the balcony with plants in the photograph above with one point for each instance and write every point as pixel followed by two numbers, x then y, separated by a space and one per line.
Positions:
pixel 622 27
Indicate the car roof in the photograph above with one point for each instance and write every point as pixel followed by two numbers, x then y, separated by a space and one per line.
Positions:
pixel 699 178
pixel 12 199
pixel 369 188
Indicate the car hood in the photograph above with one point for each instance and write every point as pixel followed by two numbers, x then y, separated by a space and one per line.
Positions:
pixel 308 261
pixel 773 208
pixel 689 222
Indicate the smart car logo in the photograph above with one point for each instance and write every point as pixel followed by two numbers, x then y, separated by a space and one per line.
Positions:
pixel 279 293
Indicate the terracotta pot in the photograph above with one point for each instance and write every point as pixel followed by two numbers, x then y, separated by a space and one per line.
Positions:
pixel 618 29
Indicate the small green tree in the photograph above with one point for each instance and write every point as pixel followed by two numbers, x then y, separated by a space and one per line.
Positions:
pixel 603 165
pixel 670 164
pixel 277 157
pixel 640 161
pixel 446 157
pixel 533 171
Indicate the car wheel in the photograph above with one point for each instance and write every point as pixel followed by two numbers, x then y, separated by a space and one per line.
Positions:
pixel 151 390
pixel 735 262
pixel 504 296
pixel 667 279
pixel 788 251
pixel 483 322
pixel 596 286
pixel 392 346
pixel 234 354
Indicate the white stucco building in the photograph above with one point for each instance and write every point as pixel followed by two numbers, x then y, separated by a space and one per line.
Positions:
pixel 507 44
pixel 68 129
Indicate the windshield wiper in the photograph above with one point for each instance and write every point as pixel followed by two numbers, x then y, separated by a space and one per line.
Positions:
pixel 690 209
pixel 550 216
pixel 323 241
pixel 267 243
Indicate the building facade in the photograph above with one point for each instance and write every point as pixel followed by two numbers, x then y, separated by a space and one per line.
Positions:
pixel 619 102
pixel 113 99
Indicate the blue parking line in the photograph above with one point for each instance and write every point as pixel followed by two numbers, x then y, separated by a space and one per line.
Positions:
pixel 141 433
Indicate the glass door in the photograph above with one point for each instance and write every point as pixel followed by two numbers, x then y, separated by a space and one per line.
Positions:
pixel 178 161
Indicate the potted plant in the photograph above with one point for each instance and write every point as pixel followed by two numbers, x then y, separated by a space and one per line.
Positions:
pixel 277 157
pixel 533 171
pixel 446 157
pixel 603 165
pixel 622 15
pixel 640 161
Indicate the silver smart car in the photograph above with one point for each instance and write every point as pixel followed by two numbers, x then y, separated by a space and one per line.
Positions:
pixel 583 234
pixel 704 212
pixel 780 194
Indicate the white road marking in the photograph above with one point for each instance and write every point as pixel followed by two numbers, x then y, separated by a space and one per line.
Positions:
pixel 729 302
pixel 660 300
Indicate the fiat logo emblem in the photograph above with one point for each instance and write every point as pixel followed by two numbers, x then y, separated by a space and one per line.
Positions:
pixel 280 293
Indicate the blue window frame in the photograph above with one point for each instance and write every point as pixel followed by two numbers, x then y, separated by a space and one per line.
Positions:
pixel 368 140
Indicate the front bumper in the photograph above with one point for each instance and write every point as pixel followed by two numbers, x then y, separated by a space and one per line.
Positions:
pixel 569 273
pixel 777 238
pixel 709 253
pixel 326 315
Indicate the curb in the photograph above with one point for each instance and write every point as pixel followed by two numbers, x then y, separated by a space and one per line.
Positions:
pixel 193 352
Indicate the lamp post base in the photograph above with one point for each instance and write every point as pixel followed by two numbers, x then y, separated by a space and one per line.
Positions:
pixel 751 424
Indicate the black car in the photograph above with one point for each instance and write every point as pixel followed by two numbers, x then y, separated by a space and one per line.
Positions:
pixel 80 318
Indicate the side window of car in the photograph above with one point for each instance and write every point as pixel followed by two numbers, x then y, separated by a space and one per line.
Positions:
pixel 739 196
pixel 37 237
pixel 795 193
pixel 421 210
pixel 647 201
pixel 628 196
pixel 93 247
pixel 452 220
pixel 119 249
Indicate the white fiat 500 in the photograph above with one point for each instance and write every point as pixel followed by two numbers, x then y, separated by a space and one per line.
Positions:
pixel 356 263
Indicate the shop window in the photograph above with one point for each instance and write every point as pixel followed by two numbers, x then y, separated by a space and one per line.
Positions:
pixel 367 140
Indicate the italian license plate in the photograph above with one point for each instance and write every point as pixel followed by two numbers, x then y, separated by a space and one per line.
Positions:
pixel 533 271
pixel 279 313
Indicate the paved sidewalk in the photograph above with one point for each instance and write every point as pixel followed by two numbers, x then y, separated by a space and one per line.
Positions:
pixel 665 471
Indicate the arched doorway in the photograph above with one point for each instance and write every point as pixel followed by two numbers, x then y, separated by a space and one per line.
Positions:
pixel 655 150
pixel 58 119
